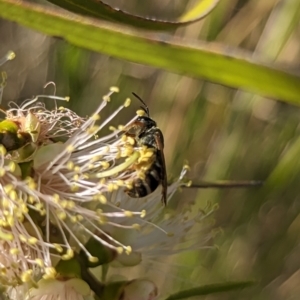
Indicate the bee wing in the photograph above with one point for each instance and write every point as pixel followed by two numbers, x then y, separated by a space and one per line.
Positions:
pixel 164 181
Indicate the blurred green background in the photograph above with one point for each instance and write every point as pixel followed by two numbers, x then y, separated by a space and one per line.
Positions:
pixel 223 133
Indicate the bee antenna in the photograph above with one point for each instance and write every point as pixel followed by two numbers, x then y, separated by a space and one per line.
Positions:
pixel 145 108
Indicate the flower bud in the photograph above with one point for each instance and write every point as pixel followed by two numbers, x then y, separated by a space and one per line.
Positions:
pixel 140 289
pixel 71 289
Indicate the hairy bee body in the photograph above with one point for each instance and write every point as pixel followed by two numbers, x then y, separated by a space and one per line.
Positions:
pixel 147 134
pixel 155 174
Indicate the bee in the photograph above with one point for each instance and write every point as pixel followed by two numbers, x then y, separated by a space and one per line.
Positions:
pixel 146 133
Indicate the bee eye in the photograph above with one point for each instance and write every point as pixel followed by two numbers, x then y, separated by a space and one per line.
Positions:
pixel 142 119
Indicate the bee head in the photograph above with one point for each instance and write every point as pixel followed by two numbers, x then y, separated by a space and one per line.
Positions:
pixel 145 122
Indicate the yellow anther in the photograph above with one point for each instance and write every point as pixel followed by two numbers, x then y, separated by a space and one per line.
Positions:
pixel 12 166
pixel 170 234
pixel 8 188
pixel 93 129
pixel 99 211
pixel 74 187
pixel 143 213
pixel 128 250
pixel 141 175
pixel 77 169
pixel 68 255
pixel 189 183
pixel 129 185
pixel 64 203
pixel 39 262
pixel 105 165
pixel 61 215
pixel 106 98
pixel 114 89
pixel 55 198
pixel 10 55
pixel 26 276
pixel 118 154
pixel 106 149
pixel 30 183
pixel 22 238
pixel 93 259
pixel 121 127
pixel 127 151
pixel 11 221
pixel 186 167
pixel 110 187
pixel 50 273
pixel 70 204
pixel 128 213
pixel 32 240
pixel 95 158
pixel 6 236
pixel 102 199
pixel 102 220
pixel 14 251
pixel 58 248
pixel 39 206
pixel 130 140
pixel 112 128
pixel 2 150
pixel 5 203
pixel 30 199
pixel 13 195
pixel 2 172
pixel 140 112
pixel 127 102
pixel 95 117
pixel 136 226
pixel 70 165
pixel 79 218
pixel 70 148
pixel 24 208
pixel 120 182
pixel 120 250
pixel 73 219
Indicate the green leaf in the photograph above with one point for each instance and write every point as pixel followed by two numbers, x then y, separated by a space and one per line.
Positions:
pixel 99 9
pixel 216 63
pixel 210 289
pixel 69 268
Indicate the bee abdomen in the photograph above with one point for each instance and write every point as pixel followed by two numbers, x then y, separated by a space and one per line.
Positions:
pixel 142 188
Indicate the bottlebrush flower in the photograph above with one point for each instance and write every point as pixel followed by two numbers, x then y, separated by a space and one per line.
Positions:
pixel 56 208
pixel 62 189
pixel 161 232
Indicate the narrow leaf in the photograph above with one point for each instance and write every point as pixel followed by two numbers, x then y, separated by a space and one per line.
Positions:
pixel 99 9
pixel 213 62
pixel 210 289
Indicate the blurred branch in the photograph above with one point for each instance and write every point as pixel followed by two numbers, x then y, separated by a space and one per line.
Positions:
pixel 225 184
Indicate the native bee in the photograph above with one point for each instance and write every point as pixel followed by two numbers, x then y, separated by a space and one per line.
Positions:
pixel 146 133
